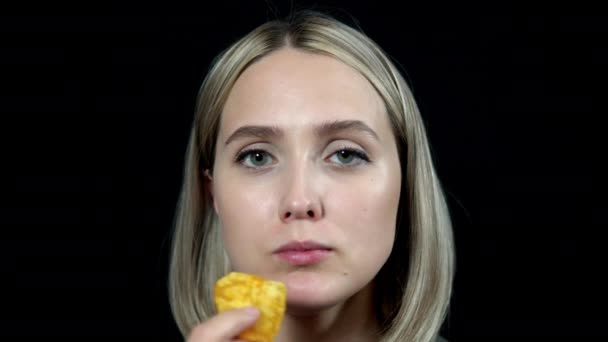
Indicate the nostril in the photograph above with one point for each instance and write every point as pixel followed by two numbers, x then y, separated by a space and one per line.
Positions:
pixel 287 215
pixel 311 213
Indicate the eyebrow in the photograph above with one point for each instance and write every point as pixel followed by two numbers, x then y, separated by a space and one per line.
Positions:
pixel 323 129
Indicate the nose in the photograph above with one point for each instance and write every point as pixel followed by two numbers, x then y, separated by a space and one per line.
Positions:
pixel 300 201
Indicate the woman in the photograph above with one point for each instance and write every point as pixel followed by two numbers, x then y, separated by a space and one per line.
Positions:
pixel 308 163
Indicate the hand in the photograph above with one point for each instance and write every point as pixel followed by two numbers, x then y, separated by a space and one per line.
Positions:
pixel 225 326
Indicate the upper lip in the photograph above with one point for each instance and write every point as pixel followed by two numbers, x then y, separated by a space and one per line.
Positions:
pixel 301 246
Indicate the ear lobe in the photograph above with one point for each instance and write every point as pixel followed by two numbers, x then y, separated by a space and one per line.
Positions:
pixel 209 185
pixel 208 179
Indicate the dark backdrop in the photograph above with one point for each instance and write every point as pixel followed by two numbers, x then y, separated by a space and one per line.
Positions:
pixel 97 103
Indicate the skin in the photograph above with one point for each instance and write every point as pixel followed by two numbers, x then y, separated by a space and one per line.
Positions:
pixel 299 186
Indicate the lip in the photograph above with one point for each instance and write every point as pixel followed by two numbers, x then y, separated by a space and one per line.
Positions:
pixel 303 252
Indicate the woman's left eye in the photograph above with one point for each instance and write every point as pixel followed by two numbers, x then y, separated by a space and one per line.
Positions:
pixel 349 157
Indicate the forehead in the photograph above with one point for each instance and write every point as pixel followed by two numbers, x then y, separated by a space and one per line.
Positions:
pixel 292 88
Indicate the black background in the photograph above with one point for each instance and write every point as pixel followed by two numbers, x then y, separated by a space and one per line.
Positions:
pixel 97 103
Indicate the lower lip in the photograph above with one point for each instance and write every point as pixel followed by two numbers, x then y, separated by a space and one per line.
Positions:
pixel 307 257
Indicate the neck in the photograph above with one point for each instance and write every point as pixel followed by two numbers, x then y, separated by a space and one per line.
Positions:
pixel 352 320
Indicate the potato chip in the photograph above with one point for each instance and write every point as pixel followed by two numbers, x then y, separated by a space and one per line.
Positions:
pixel 237 290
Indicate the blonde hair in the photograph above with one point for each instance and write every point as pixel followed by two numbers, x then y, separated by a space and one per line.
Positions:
pixel 413 288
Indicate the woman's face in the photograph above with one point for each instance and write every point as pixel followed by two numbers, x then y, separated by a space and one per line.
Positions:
pixel 307 178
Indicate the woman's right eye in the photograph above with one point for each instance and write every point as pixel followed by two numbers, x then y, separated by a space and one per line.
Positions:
pixel 254 158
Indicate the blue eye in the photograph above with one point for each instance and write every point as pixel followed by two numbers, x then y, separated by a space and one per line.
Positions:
pixel 345 157
pixel 349 157
pixel 254 158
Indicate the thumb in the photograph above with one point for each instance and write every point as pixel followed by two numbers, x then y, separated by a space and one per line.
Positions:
pixel 225 326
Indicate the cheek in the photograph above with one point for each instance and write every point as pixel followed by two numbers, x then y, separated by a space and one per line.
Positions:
pixel 244 216
pixel 367 212
pixel 376 220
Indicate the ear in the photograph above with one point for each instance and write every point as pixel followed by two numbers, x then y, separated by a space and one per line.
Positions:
pixel 208 179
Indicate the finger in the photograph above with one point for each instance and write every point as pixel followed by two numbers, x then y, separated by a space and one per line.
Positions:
pixel 224 326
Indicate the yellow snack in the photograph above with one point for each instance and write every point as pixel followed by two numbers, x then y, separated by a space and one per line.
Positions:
pixel 237 290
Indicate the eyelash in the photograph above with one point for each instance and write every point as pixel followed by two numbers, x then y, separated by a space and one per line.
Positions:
pixel 356 152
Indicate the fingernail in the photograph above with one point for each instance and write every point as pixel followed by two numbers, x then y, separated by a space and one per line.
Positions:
pixel 252 311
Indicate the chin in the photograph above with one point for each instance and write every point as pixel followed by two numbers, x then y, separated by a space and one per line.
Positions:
pixel 309 292
pixel 304 303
